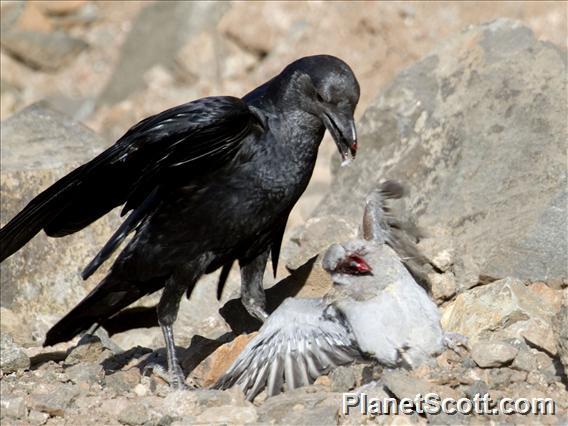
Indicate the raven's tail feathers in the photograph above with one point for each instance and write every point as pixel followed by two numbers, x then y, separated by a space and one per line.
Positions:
pixel 104 301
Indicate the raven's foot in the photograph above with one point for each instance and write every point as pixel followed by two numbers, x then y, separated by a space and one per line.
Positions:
pixel 174 378
pixel 456 342
pixel 257 311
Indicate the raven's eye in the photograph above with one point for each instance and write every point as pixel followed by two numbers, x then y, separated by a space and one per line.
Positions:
pixel 318 97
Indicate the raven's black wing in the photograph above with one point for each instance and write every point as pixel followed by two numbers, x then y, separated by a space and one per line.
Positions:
pixel 187 140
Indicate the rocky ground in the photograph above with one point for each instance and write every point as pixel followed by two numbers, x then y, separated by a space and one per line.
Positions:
pixel 471 119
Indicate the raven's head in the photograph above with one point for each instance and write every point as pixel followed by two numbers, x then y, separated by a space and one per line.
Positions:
pixel 325 87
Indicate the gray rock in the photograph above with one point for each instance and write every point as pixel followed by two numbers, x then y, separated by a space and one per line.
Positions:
pixel 38 147
pixel 85 373
pixel 12 357
pixel 561 330
pixel 37 418
pixel 477 131
pixel 123 381
pixel 134 414
pixel 538 333
pixel 228 415
pixel 191 404
pixel 500 377
pixel 316 235
pixel 466 272
pixel 114 406
pixel 306 406
pixel 530 360
pixel 402 385
pixel 54 403
pixel 44 51
pixel 525 361
pixel 493 354
pixel 177 22
pixel 479 387
pixel 343 378
pixel 12 406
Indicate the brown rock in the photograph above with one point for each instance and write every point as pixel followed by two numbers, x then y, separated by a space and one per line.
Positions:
pixel 32 19
pixel 123 381
pixel 209 56
pixel 501 305
pixel 92 351
pixel 39 146
pixel 443 285
pixel 493 354
pixel 272 23
pixel 214 366
pixel 59 7
pixel 539 333
pixel 43 51
pixel 547 295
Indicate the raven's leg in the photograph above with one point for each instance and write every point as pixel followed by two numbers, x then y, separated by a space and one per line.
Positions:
pixel 252 290
pixel 168 308
pixel 177 379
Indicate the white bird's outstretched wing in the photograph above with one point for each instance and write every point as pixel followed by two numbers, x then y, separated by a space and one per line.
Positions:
pixel 386 222
pixel 301 340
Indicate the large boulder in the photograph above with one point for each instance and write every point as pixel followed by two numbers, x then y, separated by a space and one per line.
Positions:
pixel 477 130
pixel 508 309
pixel 158 33
pixel 42 281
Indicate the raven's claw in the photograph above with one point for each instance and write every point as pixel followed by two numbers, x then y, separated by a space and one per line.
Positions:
pixel 174 378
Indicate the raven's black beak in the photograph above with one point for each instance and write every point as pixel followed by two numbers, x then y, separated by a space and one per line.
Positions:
pixel 341 125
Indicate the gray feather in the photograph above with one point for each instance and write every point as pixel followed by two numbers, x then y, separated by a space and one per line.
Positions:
pixel 295 345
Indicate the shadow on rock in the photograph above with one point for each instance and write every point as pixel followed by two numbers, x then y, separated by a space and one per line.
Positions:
pixel 241 321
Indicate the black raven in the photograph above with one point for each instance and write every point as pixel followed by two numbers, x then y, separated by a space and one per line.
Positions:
pixel 207 183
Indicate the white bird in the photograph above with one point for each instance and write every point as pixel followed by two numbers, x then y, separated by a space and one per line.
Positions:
pixel 375 310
